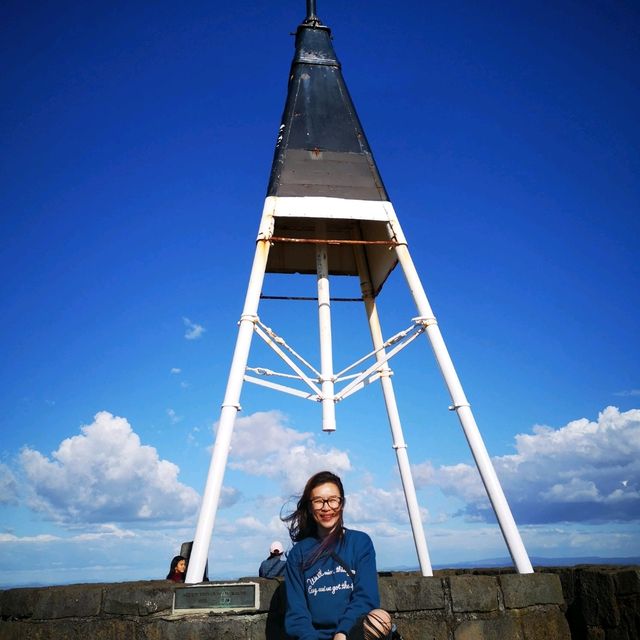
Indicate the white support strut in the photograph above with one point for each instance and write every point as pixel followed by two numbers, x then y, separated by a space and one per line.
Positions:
pixel 382 357
pixel 400 447
pixel 461 405
pixel 301 374
pixel 393 414
pixel 230 408
pixel 326 348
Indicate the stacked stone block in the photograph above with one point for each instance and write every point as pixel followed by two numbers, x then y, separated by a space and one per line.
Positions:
pixel 603 602
pixel 462 607
pixel 563 604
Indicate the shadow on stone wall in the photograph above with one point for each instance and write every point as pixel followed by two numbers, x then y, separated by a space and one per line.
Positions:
pixel 274 628
pixel 603 602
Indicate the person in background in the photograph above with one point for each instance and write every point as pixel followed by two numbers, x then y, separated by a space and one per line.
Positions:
pixel 274 565
pixel 178 569
pixel 331 576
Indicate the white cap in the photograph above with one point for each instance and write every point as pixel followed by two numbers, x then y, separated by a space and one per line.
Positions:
pixel 276 547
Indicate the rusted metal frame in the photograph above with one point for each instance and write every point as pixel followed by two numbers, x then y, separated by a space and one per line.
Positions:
pixel 377 366
pixel 331 241
pixel 303 376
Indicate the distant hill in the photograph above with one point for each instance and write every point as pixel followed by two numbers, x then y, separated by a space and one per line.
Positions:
pixel 564 562
pixel 535 561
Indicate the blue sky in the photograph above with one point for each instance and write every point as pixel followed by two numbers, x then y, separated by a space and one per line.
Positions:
pixel 137 143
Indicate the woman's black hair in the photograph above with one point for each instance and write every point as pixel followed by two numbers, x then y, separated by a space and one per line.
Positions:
pixel 301 524
pixel 174 564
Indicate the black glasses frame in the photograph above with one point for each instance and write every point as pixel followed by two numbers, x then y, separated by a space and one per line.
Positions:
pixel 318 503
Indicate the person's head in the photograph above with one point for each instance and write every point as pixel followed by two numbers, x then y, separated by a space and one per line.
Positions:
pixel 276 548
pixel 319 509
pixel 178 564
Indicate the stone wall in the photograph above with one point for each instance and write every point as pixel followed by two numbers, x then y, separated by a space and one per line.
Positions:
pixel 476 607
pixel 603 602
pixel 450 606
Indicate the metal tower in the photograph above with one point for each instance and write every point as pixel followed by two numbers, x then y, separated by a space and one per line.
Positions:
pixel 327 213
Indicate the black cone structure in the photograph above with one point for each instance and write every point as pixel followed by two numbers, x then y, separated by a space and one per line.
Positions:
pixel 322 149
pixel 323 168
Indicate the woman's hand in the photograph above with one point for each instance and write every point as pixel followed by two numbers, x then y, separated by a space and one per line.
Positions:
pixel 340 636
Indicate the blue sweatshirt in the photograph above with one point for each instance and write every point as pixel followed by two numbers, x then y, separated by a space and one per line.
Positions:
pixel 322 599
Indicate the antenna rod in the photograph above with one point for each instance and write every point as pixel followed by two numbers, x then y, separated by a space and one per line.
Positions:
pixel 311 10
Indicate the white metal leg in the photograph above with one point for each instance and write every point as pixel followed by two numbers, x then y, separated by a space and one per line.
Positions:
pixel 461 406
pixel 326 348
pixel 230 408
pixel 400 447
pixel 397 436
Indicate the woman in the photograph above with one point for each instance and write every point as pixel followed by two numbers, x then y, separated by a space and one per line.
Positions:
pixel 331 577
pixel 178 569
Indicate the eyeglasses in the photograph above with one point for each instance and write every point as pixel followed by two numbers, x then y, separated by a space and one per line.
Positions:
pixel 334 503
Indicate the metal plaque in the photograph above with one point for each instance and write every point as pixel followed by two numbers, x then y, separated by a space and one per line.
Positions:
pixel 217 597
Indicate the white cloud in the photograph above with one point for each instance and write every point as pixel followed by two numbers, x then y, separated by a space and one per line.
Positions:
pixel 173 416
pixel 10 538
pixel 262 445
pixel 629 393
pixel 229 496
pixel 584 471
pixel 98 553
pixel 375 506
pixel 422 473
pixel 176 370
pixel 8 485
pixel 251 524
pixel 106 475
pixel 103 532
pixel 258 526
pixel 194 331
